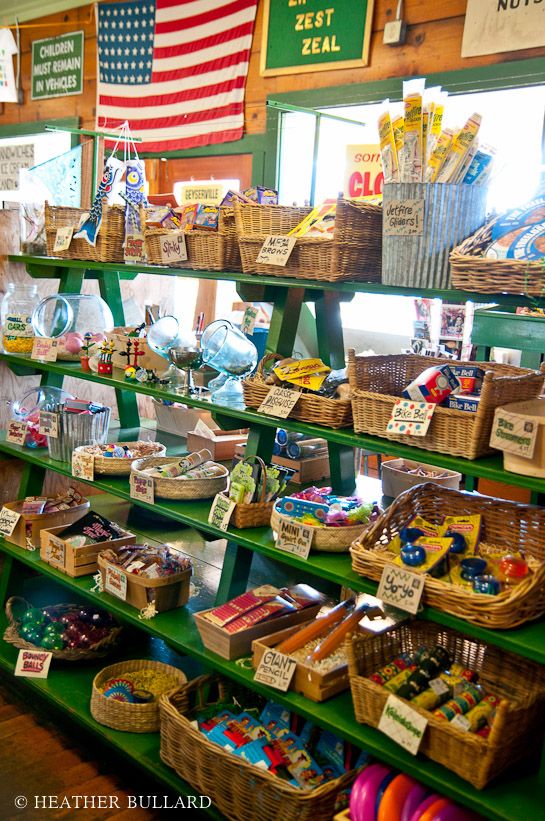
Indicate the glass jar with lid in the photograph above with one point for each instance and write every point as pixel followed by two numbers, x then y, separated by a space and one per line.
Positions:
pixel 16 311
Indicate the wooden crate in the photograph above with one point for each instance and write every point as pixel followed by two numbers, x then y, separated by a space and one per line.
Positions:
pixel 75 561
pixel 306 470
pixel 222 446
pixel 27 530
pixel 166 592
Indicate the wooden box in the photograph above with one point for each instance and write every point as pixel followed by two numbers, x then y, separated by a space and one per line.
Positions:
pixel 179 421
pixel 306 680
pixel 240 644
pixel 119 337
pixel 75 561
pixel 306 470
pixel 395 480
pixel 222 445
pixel 27 530
pixel 167 592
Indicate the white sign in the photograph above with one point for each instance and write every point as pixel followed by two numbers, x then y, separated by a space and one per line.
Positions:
pixel 142 488
pixel 279 402
pixel 248 320
pixel 8 520
pixel 401 588
pixel 402 724
pixel 63 238
pixel 12 159
pixel 276 250
pixel 461 723
pixel 276 670
pixel 494 26
pixel 208 192
pixel 221 511
pixel 439 686
pixel 363 176
pixel 410 418
pixel 33 663
pixel 49 424
pixel 83 466
pixel 294 538
pixel 173 249
pixel 403 218
pixel 45 349
pixel 16 432
pixel 513 433
pixel 55 551
pixel 115 582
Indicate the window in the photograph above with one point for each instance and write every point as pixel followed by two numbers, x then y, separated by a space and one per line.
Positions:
pixel 45 147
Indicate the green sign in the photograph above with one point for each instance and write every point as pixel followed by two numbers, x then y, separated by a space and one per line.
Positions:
pixel 315 35
pixel 57 66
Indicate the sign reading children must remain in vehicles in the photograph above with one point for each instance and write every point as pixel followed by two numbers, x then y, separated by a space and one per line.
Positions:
pixel 57 66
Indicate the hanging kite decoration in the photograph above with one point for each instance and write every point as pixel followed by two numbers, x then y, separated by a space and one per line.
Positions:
pixel 91 221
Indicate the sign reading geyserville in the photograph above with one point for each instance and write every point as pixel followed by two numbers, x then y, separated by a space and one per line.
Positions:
pixel 315 35
pixel 57 66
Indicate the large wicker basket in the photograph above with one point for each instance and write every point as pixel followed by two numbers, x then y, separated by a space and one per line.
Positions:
pixel 311 408
pixel 121 715
pixel 496 276
pixel 506 527
pixel 377 381
pixel 354 252
pixel 109 243
pixel 238 789
pixel 206 250
pixel 324 539
pixel 118 466
pixel 166 488
pixel 517 729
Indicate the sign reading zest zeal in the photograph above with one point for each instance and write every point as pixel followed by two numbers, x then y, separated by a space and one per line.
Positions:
pixel 57 66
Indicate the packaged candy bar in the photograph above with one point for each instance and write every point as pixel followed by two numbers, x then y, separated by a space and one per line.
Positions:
pixel 387 147
pixel 272 609
pixel 432 385
pixel 231 610
pixel 207 217
pixel 33 506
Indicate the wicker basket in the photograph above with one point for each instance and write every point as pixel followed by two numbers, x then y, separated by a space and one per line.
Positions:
pixel 206 250
pixel 117 466
pixel 11 635
pixel 354 252
pixel 496 276
pixel 377 381
pixel 506 526
pixel 324 539
pixel 238 789
pixel 166 488
pixel 255 514
pixel 311 408
pixel 109 243
pixel 518 682
pixel 120 715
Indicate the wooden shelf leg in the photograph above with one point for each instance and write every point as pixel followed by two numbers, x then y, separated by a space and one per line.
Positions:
pixel 235 571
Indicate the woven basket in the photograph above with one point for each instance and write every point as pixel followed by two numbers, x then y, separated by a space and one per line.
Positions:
pixel 311 408
pixel 353 252
pixel 255 514
pixel 109 243
pixel 206 250
pixel 377 381
pixel 324 539
pixel 506 526
pixel 166 488
pixel 496 276
pixel 117 466
pixel 120 715
pixel 518 682
pixel 238 789
pixel 11 635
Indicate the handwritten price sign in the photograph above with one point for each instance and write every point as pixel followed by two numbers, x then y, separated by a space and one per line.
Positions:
pixel 276 670
pixel 410 418
pixel 401 588
pixel 115 582
pixel 173 250
pixel 45 349
pixel 276 250
pixel 33 664
pixel 16 433
pixel 142 488
pixel 221 511
pixel 294 538
pixel 279 402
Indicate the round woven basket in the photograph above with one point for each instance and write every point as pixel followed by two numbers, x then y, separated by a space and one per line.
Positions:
pixel 11 635
pixel 166 488
pixel 117 466
pixel 121 715
pixel 324 539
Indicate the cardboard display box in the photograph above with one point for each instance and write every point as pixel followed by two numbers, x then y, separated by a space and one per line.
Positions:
pixel 27 530
pixel 75 561
pixel 179 421
pixel 167 592
pixel 221 444
pixel 306 470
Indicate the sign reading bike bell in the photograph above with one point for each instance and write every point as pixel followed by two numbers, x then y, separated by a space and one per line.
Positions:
pixel 363 176
pixel 57 66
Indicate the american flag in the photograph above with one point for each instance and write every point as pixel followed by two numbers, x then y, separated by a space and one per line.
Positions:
pixel 175 69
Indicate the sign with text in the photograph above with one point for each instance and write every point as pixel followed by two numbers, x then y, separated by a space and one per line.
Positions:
pixel 402 724
pixel 134 248
pixel 403 218
pixel 363 175
pixel 55 551
pixel 494 26
pixel 115 582
pixel 294 538
pixel 12 159
pixel 63 238
pixel 513 433
pixel 324 35
pixel 207 192
pixel 276 250
pixel 401 588
pixel 173 249
pixel 57 66
pixel 33 663
pixel 45 349
pixel 142 488
pixel 8 520
pixel 279 402
pixel 248 320
pixel 83 466
pixel 16 432
pixel 221 511
pixel 410 418
pixel 49 424
pixel 276 670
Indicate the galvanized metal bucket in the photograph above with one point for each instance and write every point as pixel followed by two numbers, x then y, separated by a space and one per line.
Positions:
pixel 451 213
pixel 75 429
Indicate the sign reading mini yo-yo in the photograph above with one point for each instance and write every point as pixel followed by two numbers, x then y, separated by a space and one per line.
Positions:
pixel 404 218
pixel 57 66
pixel 513 433
pixel 276 249
pixel 276 670
pixel 294 538
pixel 410 418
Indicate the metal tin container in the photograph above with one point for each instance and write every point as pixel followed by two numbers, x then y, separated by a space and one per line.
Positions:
pixel 75 429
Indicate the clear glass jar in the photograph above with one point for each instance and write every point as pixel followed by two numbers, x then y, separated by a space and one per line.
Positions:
pixel 16 311
pixel 61 314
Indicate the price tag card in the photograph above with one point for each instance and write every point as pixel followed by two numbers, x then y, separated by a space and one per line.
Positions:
pixel 45 349
pixel 83 466
pixel 49 424
pixel 439 686
pixel 294 538
pixel 513 433
pixel 16 432
pixel 142 488
pixel 63 238
pixel 8 520
pixel 402 724
pixel 221 511
pixel 461 722
pixel 33 663
pixel 276 670
pixel 279 402
pixel 173 249
pixel 248 320
pixel 401 588
pixel 115 582
pixel 134 248
pixel 55 551
pixel 403 218
pixel 276 250
pixel 410 418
